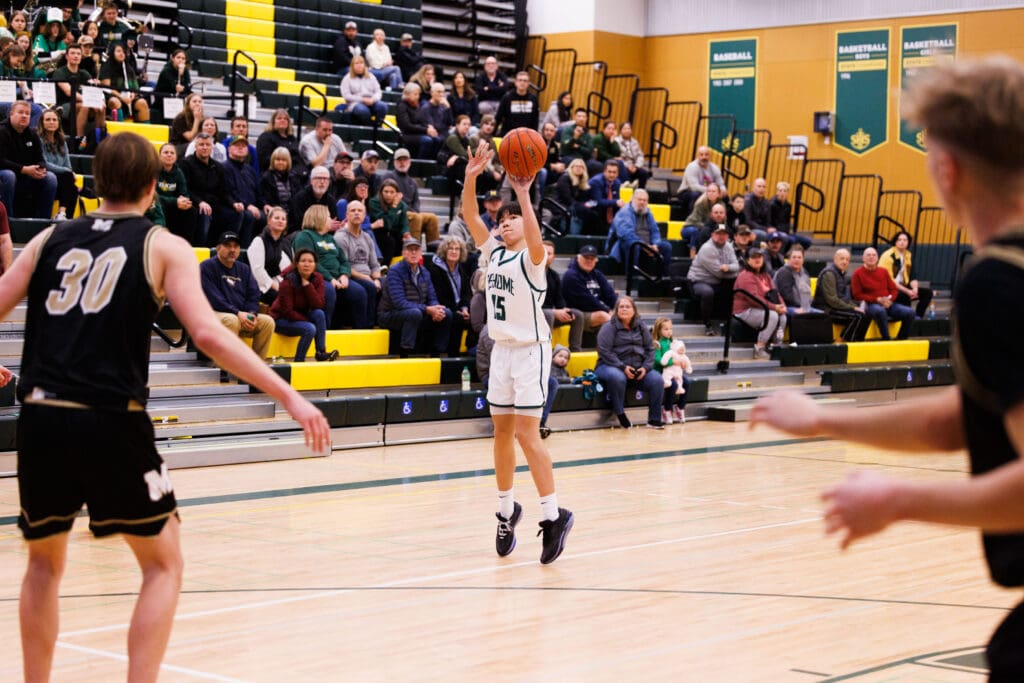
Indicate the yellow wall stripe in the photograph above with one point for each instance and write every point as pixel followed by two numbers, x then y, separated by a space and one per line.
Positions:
pixel 249 9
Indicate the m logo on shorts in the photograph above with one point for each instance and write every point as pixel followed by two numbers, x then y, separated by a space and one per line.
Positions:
pixel 159 483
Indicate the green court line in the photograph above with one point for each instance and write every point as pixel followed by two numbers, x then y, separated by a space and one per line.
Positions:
pixel 463 474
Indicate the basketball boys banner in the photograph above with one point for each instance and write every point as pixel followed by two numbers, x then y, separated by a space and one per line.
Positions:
pixel 732 90
pixel 862 83
pixel 920 48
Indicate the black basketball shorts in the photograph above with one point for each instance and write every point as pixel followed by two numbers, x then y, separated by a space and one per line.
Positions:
pixel 104 459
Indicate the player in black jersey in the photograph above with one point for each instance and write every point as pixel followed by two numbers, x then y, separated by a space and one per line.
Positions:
pixel 973 112
pixel 94 286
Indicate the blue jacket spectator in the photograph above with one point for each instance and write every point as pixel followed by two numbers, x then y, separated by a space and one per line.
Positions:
pixel 587 289
pixel 409 305
pixel 635 223
pixel 231 289
pixel 604 197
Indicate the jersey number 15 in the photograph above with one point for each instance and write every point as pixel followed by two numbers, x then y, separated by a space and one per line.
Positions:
pixel 498 304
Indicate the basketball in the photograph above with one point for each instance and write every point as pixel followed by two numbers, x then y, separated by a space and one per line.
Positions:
pixel 523 152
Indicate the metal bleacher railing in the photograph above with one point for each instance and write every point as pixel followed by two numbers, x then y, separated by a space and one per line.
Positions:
pixel 854 209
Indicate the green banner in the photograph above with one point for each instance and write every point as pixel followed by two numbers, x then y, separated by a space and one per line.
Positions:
pixel 732 81
pixel 862 84
pixel 920 48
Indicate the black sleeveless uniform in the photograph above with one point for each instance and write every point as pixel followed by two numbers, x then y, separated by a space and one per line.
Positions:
pixel 987 338
pixel 83 435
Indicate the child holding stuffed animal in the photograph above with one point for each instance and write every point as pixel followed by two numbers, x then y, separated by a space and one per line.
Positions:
pixel 671 361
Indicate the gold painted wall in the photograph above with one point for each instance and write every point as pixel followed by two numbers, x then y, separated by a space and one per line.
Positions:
pixel 795 76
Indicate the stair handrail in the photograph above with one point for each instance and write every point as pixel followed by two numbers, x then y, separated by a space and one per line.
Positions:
pixel 175 344
pixel 658 143
pixel 175 22
pixel 237 75
pixel 633 264
pixel 304 109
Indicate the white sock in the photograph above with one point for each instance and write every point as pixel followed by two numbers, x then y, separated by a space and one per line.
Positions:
pixel 549 507
pixel 506 504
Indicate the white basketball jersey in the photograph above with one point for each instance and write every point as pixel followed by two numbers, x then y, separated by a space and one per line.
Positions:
pixel 515 291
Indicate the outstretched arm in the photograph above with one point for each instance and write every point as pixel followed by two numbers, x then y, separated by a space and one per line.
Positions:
pixel 531 228
pixel 174 265
pixel 470 210
pixel 933 423
pixel 867 502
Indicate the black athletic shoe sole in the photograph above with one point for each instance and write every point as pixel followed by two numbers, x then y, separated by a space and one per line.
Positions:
pixel 517 514
pixel 560 543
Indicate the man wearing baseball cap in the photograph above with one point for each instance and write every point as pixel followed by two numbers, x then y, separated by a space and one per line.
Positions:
pixel 233 294
pixel 712 273
pixel 346 47
pixel 367 168
pixel 585 288
pixel 407 57
pixel 420 222
pixel 244 186
pixel 492 202
pixel 342 176
pixel 409 305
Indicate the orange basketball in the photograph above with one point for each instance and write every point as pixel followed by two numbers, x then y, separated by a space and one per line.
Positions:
pixel 523 152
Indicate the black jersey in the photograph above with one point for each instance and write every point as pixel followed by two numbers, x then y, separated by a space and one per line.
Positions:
pixel 90 311
pixel 986 351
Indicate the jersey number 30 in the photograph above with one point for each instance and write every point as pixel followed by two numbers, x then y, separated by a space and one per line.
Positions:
pixel 87 281
pixel 498 303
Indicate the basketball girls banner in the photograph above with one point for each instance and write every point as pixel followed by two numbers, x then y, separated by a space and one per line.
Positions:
pixel 920 48
pixel 862 83
pixel 732 89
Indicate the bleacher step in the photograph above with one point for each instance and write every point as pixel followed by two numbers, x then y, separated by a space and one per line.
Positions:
pixel 751 380
pixel 740 412
pixel 189 452
pixel 161 374
pixel 197 390
pixel 166 413
pixel 748 393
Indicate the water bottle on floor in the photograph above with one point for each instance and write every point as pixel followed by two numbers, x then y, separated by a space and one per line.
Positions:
pixel 465 378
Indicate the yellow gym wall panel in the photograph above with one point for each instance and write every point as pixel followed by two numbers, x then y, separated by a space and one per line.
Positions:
pixel 795 78
pixel 623 54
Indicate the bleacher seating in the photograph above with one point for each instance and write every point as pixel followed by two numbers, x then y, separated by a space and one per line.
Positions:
pixel 292 46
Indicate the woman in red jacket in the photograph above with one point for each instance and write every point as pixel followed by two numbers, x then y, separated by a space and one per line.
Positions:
pixel 755 280
pixel 298 310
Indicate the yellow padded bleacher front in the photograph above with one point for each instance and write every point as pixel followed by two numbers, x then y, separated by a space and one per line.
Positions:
pixel 347 342
pixel 896 351
pixel 662 212
pixel 156 134
pixel 358 374
pixel 675 231
pixel 580 361
pixel 560 335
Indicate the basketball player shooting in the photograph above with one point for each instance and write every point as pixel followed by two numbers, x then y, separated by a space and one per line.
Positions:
pixel 521 359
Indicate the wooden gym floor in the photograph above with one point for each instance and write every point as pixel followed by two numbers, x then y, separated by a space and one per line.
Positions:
pixel 698 555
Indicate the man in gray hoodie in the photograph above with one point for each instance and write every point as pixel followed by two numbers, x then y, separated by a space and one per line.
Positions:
pixel 712 272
